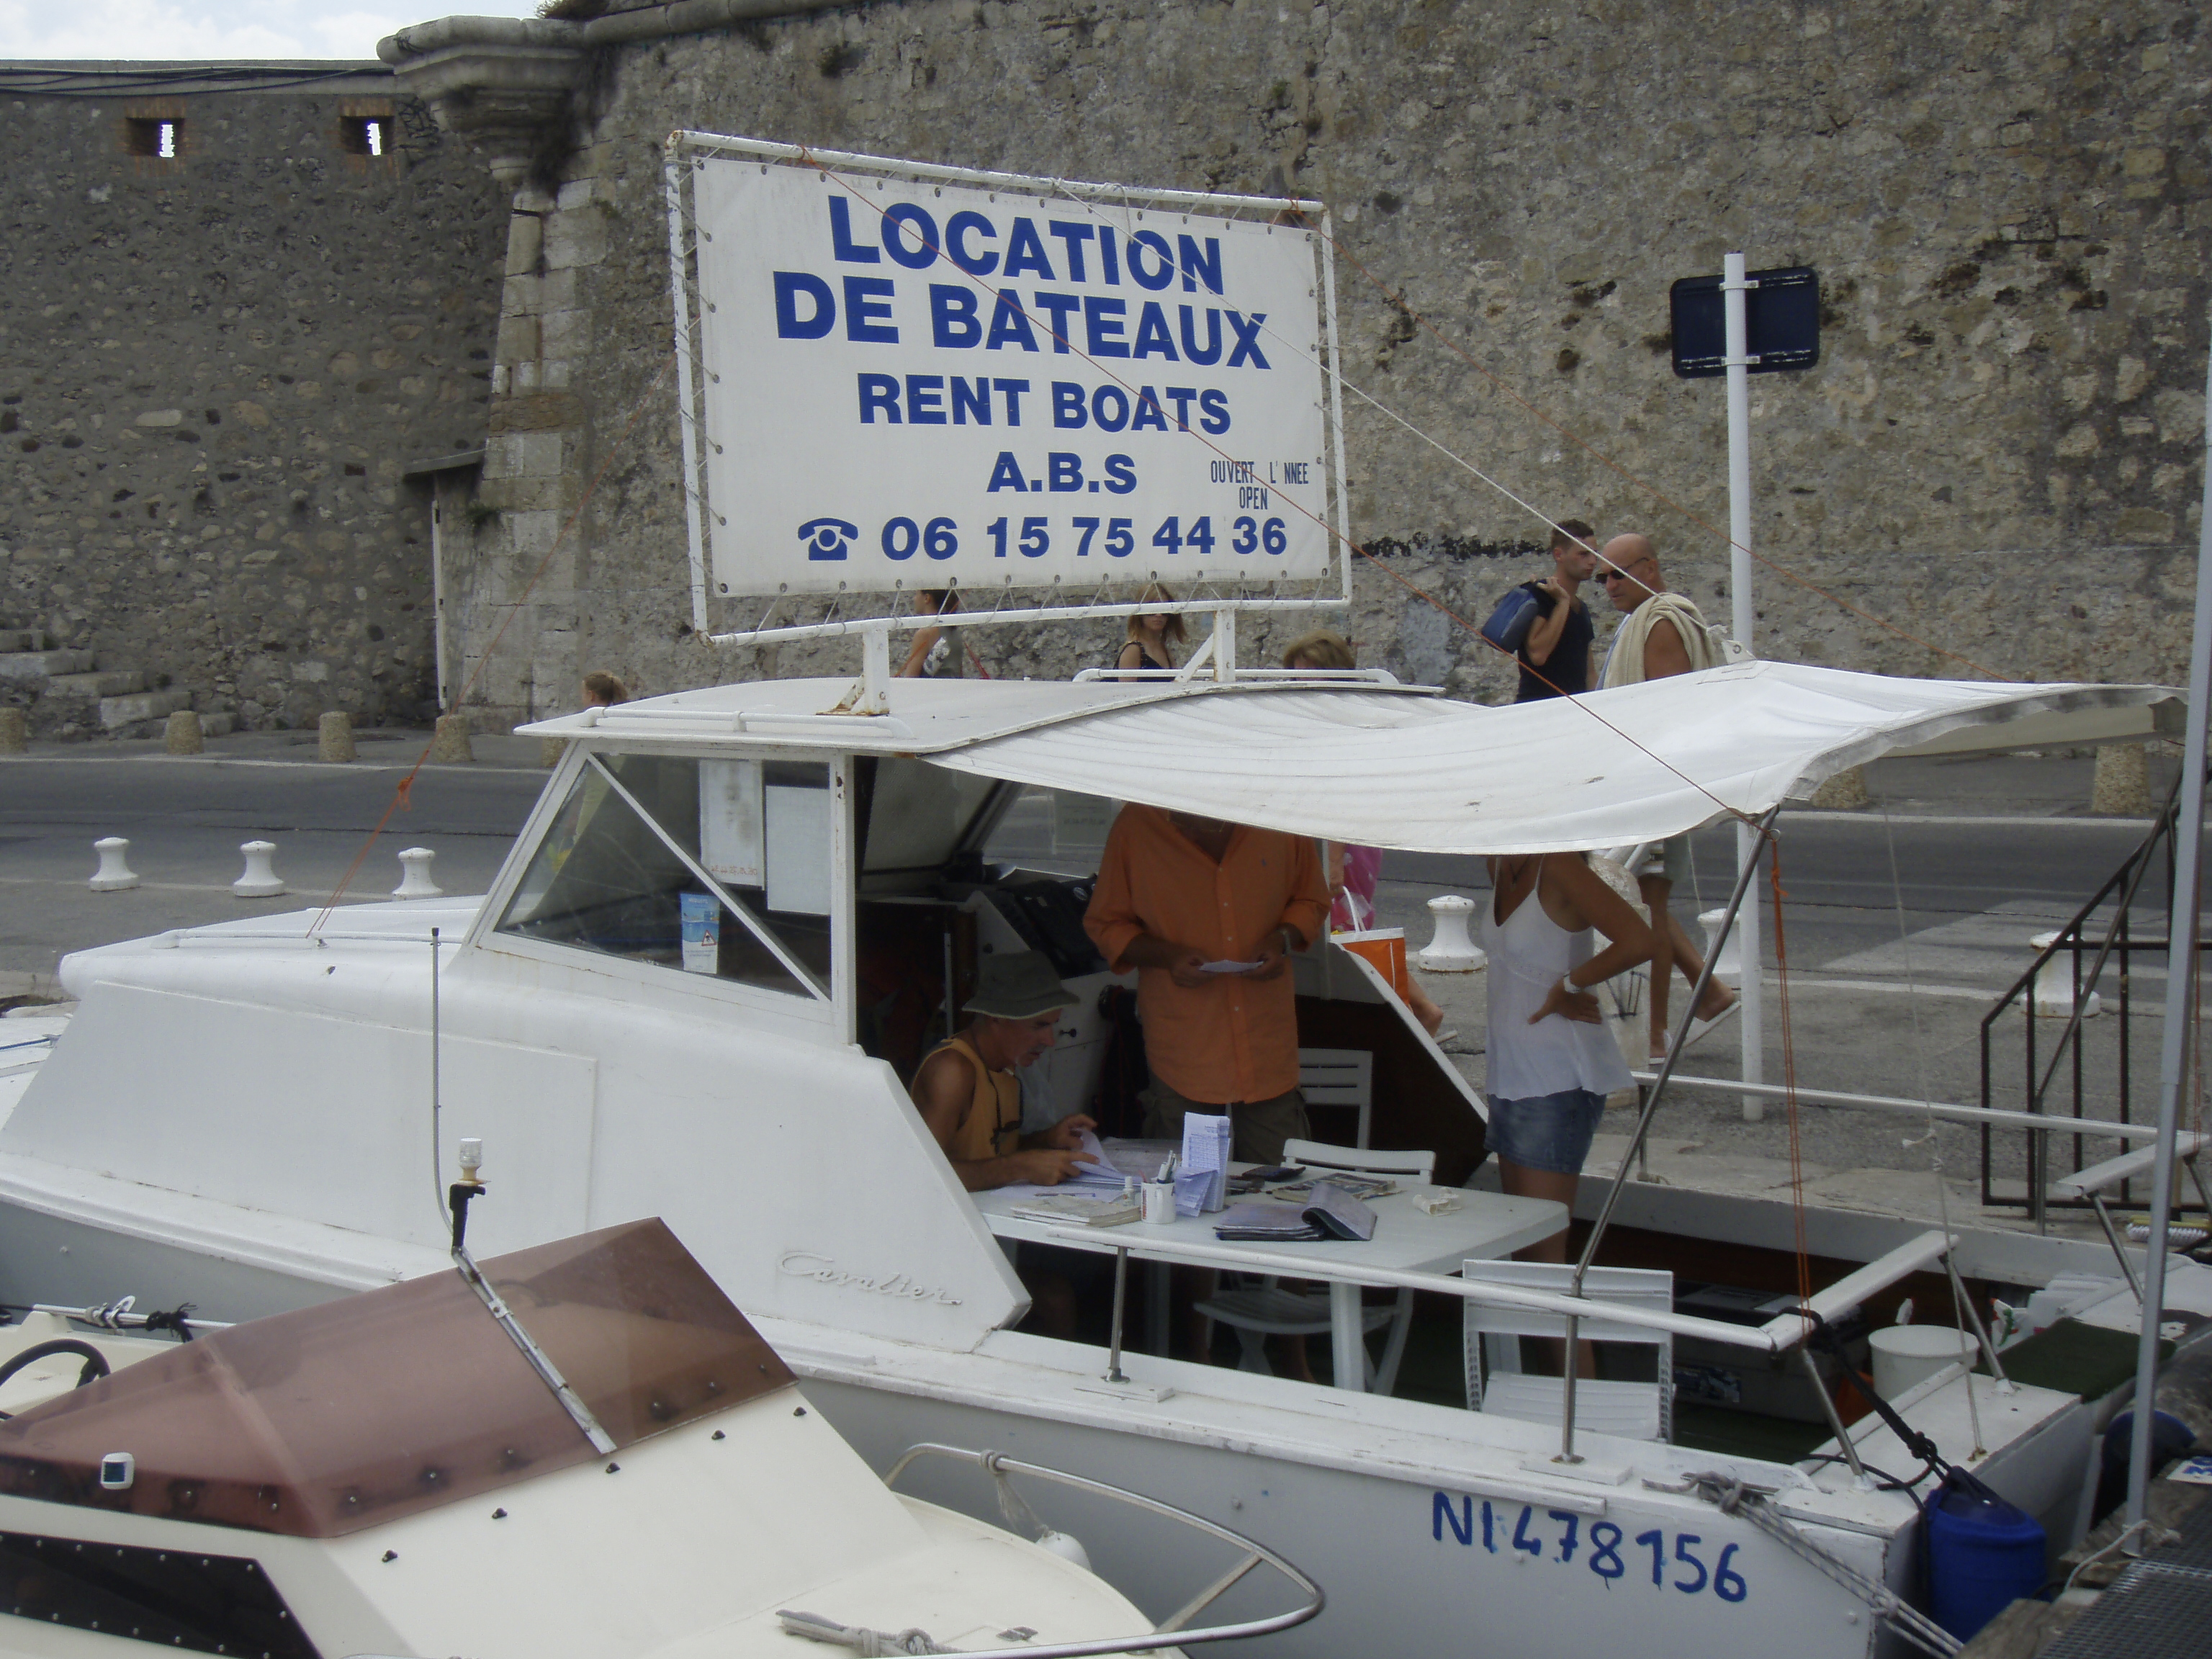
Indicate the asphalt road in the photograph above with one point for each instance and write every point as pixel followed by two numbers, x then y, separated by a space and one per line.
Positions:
pixel 185 820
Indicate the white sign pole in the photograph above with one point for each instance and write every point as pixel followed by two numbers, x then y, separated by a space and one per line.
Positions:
pixel 1750 950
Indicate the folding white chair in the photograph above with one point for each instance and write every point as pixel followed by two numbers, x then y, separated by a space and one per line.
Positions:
pixel 1496 1384
pixel 1262 1307
pixel 1339 1078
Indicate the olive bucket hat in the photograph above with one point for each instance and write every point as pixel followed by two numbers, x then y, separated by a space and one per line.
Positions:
pixel 1018 986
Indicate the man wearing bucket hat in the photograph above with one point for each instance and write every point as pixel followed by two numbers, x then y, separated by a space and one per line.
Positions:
pixel 966 1090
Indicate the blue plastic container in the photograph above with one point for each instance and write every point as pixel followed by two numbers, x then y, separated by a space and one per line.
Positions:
pixel 1982 1556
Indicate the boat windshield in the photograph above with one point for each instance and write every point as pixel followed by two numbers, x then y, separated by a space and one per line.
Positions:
pixel 373 1406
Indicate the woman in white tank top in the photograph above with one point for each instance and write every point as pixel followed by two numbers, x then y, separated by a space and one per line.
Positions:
pixel 1552 1061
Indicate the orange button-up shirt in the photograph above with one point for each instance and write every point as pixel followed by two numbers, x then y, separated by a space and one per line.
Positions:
pixel 1236 1039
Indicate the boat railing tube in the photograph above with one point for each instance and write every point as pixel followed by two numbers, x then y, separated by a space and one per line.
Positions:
pixel 1000 1466
pixel 1778 1335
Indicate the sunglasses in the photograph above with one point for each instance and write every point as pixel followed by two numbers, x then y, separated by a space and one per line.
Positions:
pixel 1610 576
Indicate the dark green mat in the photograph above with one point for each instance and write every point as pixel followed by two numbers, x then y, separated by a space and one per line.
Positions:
pixel 2075 1358
pixel 1746 1434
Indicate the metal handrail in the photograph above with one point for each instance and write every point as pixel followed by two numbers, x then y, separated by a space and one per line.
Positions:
pixel 1000 1466
pixel 2074 938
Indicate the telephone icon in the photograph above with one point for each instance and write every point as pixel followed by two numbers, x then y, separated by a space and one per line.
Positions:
pixel 828 538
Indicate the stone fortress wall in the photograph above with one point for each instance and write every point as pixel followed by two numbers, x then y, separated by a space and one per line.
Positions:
pixel 2001 451
pixel 215 368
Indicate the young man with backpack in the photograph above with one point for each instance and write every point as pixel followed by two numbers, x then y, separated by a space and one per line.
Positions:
pixel 1555 656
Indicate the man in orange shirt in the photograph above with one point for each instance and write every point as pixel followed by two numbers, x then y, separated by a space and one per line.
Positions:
pixel 1176 895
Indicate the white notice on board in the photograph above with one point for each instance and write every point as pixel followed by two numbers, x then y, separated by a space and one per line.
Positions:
pixel 729 839
pixel 797 850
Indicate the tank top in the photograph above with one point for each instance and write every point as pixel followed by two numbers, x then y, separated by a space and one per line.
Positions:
pixel 992 1125
pixel 1528 952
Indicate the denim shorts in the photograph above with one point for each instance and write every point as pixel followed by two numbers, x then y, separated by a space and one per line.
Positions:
pixel 1546 1132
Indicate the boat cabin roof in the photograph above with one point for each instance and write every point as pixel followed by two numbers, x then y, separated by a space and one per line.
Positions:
pixel 355 1412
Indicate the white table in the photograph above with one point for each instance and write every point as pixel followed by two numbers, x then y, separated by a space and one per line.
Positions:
pixel 1486 1224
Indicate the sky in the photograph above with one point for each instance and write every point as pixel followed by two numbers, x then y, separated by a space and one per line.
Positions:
pixel 173 29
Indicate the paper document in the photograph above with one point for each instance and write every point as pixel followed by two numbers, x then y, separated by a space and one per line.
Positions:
pixel 1206 1144
pixel 1226 966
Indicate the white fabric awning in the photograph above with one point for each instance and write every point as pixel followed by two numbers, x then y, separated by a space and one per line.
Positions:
pixel 1609 769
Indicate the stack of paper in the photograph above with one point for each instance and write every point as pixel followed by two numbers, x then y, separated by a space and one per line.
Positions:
pixel 1102 1212
pixel 1205 1142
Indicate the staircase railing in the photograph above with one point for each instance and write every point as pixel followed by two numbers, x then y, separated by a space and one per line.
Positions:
pixel 2090 947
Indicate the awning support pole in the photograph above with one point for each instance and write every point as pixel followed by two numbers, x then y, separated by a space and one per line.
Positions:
pixel 1666 1070
pixel 1121 1302
pixel 2180 982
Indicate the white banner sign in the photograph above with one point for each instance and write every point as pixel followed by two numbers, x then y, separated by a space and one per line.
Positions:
pixel 918 386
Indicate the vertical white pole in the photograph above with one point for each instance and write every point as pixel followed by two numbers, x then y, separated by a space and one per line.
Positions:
pixel 2180 979
pixel 438 581
pixel 1751 952
pixel 693 468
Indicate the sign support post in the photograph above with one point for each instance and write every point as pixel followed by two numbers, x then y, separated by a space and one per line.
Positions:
pixel 1750 949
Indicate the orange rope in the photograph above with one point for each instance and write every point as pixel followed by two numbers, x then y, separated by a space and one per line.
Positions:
pixel 402 791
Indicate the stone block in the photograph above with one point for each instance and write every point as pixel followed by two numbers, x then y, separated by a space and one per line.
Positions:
pixel 218 725
pixel 106 682
pixel 550 750
pixel 518 339
pixel 525 455
pixel 525 242
pixel 451 745
pixel 138 707
pixel 564 333
pixel 2122 784
pixel 575 239
pixel 334 736
pixel 14 733
pixel 27 665
pixel 183 734
pixel 1843 793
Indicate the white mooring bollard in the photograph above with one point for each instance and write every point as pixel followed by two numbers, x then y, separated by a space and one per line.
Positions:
pixel 115 873
pixel 2053 995
pixel 414 881
pixel 1730 966
pixel 261 880
pixel 1451 951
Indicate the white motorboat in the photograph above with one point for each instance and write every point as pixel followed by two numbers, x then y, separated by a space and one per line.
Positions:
pixel 720 934
pixel 578 1448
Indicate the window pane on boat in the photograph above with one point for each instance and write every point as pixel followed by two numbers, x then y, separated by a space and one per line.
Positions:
pixel 191 1602
pixel 603 879
pixel 372 1406
pixel 1058 830
pixel 918 814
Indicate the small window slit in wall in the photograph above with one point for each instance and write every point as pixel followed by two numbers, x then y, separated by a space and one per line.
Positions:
pixel 156 137
pixel 367 135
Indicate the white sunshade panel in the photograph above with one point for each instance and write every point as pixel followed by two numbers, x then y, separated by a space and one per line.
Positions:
pixel 1610 770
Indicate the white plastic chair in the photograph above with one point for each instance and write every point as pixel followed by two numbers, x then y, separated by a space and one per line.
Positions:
pixel 1342 1078
pixel 1262 1308
pixel 1497 1385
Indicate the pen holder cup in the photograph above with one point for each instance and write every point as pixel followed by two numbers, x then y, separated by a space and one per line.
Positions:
pixel 1159 1202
